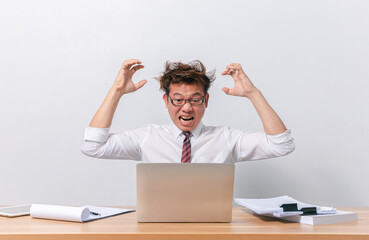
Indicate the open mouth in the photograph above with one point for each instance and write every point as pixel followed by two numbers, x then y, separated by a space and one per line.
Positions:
pixel 186 119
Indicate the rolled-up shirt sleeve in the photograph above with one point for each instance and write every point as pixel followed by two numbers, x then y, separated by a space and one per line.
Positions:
pixel 99 143
pixel 96 134
pixel 259 145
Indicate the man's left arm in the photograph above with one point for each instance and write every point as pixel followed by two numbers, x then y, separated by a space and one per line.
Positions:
pixel 243 87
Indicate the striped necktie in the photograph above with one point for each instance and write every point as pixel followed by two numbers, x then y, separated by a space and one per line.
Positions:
pixel 186 150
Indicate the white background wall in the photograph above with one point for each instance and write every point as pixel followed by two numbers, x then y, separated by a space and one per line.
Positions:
pixel 58 59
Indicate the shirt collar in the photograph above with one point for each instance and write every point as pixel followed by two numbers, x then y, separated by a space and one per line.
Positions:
pixel 178 132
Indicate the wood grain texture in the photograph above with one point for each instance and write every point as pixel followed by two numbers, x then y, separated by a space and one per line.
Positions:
pixel 244 225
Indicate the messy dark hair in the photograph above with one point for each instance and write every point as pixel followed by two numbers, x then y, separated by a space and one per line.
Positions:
pixel 191 73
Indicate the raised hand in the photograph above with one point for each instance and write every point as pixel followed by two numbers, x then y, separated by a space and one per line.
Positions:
pixel 242 85
pixel 123 82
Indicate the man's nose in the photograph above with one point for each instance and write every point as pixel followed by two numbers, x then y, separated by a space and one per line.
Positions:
pixel 187 107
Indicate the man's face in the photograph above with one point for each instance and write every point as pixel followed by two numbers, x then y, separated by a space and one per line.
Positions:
pixel 188 116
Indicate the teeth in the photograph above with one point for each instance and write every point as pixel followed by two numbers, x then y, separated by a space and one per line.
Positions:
pixel 186 119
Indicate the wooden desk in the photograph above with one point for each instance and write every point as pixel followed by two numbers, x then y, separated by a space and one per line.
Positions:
pixel 244 225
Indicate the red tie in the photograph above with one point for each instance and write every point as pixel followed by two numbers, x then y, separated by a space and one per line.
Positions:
pixel 186 150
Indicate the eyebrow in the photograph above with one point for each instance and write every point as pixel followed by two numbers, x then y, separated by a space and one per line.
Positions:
pixel 193 94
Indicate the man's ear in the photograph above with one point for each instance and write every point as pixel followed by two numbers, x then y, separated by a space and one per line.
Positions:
pixel 165 98
pixel 206 100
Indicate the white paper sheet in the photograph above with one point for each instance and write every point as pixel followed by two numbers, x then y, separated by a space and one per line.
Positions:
pixel 271 206
pixel 75 214
pixel 105 212
pixel 65 213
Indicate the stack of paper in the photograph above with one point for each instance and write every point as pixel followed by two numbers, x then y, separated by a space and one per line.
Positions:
pixel 272 207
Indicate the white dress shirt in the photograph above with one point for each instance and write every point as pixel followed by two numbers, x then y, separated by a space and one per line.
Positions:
pixel 163 144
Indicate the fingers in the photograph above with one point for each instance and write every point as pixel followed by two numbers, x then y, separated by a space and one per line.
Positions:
pixel 229 71
pixel 140 84
pixel 127 64
pixel 136 68
pixel 226 90
pixel 232 68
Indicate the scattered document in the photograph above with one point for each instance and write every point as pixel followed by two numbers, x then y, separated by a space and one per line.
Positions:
pixel 271 207
pixel 74 214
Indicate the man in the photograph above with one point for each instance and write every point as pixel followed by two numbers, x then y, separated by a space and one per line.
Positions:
pixel 186 139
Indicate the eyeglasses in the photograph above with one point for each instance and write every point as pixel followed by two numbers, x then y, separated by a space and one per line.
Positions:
pixel 182 102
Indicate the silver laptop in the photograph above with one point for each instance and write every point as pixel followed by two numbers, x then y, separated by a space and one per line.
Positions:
pixel 183 192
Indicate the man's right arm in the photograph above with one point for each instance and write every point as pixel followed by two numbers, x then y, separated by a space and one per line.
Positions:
pixel 123 84
pixel 98 142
